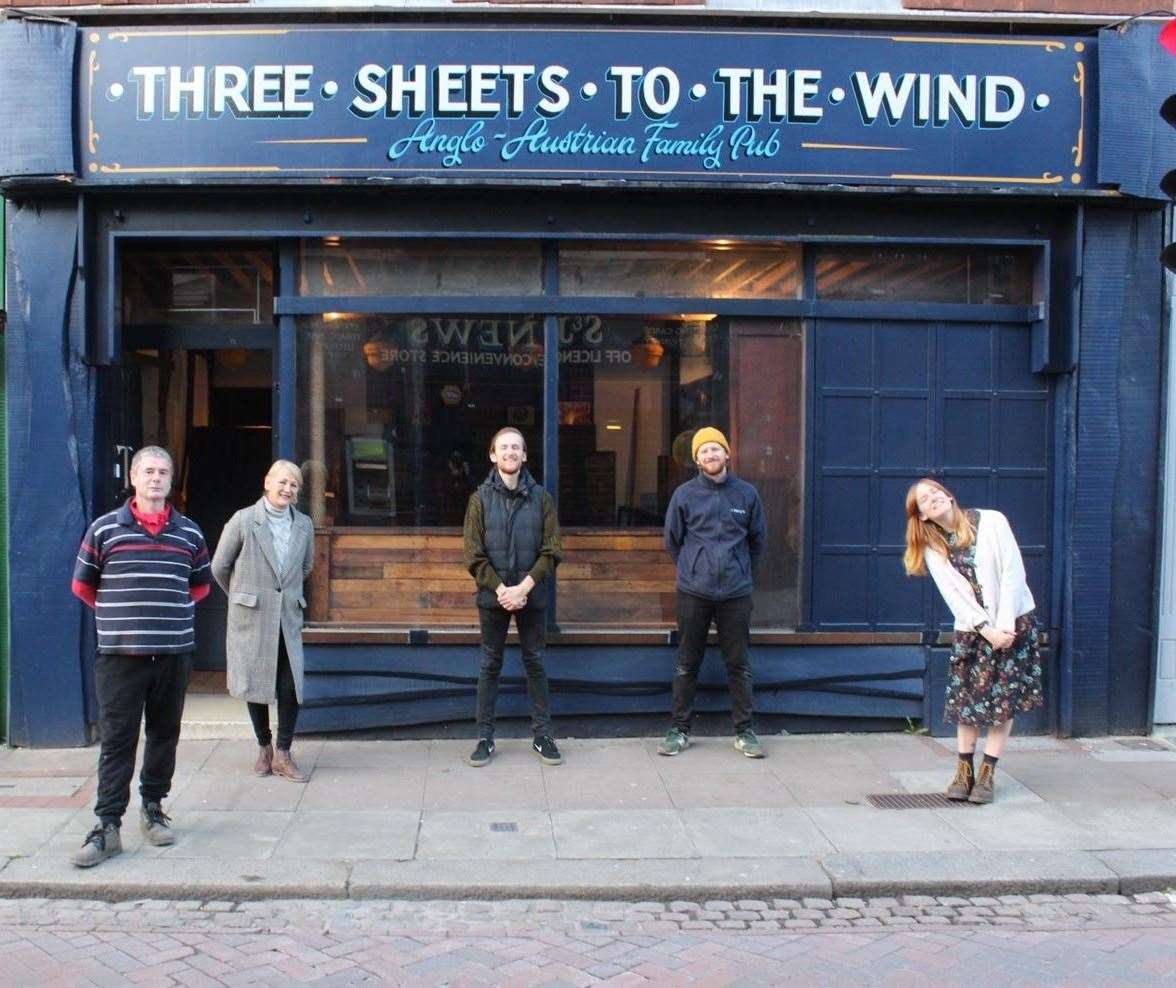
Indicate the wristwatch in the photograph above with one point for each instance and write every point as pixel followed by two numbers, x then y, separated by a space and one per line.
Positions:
pixel 981 626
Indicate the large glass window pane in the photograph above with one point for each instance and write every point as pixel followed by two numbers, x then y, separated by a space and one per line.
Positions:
pixel 632 392
pixel 395 414
pixel 926 273
pixel 717 269
pixel 177 284
pixel 338 266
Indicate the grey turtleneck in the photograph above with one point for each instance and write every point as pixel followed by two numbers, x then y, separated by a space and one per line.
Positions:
pixel 281 524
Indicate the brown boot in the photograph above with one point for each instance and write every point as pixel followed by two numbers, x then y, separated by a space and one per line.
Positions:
pixel 961 785
pixel 984 789
pixel 285 766
pixel 265 760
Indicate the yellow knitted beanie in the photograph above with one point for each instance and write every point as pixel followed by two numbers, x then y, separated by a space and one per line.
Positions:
pixel 709 434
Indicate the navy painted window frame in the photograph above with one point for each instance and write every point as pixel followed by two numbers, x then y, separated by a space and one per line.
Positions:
pixel 550 305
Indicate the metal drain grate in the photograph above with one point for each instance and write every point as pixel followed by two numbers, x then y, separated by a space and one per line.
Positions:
pixel 509 827
pixel 914 801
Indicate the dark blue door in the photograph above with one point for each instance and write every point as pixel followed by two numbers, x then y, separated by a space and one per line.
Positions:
pixel 893 401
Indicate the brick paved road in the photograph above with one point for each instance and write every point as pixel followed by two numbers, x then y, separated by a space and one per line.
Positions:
pixel 914 940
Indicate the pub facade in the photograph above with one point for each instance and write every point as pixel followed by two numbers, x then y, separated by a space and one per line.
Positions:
pixel 866 256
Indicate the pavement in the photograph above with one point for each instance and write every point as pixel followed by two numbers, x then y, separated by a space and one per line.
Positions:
pixel 408 819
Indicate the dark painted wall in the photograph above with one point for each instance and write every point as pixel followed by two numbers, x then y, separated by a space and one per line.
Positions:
pixel 50 464
pixel 1112 543
pixel 349 687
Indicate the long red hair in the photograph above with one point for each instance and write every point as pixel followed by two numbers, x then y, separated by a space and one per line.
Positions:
pixel 921 535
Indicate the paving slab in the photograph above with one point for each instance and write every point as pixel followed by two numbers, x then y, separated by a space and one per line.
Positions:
pixel 657 880
pixel 1145 824
pixel 1001 827
pixel 136 877
pixel 331 787
pixel 349 835
pixel 717 789
pixel 621 834
pixel 978 873
pixel 591 790
pixel 497 786
pixel 829 784
pixel 754 833
pixel 225 834
pixel 24 832
pixel 1142 870
pixel 481 836
pixel 862 829
pixel 210 790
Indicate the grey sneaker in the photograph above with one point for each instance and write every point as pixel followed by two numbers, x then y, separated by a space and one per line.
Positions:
pixel 481 754
pixel 674 743
pixel 104 841
pixel 156 825
pixel 749 744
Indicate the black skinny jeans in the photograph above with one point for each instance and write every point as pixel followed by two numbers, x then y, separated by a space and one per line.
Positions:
pixel 530 624
pixel 288 707
pixel 130 689
pixel 732 621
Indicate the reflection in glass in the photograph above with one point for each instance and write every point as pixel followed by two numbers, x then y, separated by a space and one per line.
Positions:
pixel 715 269
pixel 197 282
pixel 926 273
pixel 396 413
pixel 337 266
pixel 632 392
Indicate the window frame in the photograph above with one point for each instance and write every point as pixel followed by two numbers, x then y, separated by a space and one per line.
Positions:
pixel 550 305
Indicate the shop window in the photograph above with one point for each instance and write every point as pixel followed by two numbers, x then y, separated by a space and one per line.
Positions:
pixel 197 283
pixel 632 392
pixel 341 266
pixel 716 269
pixel 926 273
pixel 396 412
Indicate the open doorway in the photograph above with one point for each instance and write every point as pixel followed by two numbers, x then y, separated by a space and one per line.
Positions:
pixel 212 410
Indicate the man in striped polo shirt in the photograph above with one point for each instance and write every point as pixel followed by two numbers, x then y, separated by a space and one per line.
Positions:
pixel 142 569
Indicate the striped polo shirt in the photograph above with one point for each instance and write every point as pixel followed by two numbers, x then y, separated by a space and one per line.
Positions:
pixel 146 584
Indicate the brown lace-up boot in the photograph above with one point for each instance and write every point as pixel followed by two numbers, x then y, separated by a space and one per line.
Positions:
pixel 265 760
pixel 984 789
pixel 285 766
pixel 961 785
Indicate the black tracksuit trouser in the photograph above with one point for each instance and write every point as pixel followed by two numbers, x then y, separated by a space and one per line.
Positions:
pixel 130 689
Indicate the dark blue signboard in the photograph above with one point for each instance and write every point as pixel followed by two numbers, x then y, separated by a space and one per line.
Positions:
pixel 586 104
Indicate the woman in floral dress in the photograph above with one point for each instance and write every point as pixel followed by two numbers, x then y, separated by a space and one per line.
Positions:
pixel 995 661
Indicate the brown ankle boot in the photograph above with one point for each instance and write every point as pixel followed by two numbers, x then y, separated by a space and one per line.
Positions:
pixel 961 785
pixel 265 760
pixel 984 789
pixel 285 766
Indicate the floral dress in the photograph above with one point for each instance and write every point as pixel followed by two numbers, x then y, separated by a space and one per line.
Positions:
pixel 986 687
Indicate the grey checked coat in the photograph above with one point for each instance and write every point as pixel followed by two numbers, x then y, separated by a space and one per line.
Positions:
pixel 245 566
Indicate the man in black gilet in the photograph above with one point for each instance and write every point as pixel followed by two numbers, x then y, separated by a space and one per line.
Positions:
pixel 511 542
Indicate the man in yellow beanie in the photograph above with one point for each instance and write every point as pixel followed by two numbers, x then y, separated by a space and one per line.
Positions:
pixel 715 531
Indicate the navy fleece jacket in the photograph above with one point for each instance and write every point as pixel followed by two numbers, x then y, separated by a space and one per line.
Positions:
pixel 715 533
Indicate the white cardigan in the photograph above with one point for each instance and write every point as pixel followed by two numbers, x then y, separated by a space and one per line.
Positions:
pixel 1000 572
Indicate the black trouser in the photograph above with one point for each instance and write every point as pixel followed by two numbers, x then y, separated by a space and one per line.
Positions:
pixel 530 624
pixel 130 689
pixel 288 708
pixel 732 620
